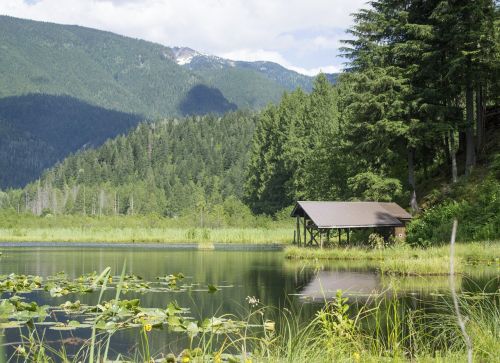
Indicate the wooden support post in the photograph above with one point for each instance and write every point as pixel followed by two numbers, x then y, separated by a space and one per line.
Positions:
pixel 305 231
pixel 320 239
pixel 298 231
pixel 348 233
pixel 340 233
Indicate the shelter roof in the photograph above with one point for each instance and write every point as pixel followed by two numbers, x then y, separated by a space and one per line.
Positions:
pixel 325 214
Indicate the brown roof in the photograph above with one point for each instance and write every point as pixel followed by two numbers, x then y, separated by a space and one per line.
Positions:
pixel 351 214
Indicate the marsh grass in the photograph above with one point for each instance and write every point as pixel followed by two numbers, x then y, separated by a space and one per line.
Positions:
pixel 406 260
pixel 138 235
pixel 431 266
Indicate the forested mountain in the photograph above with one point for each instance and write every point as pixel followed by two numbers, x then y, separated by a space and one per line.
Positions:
pixel 229 75
pixel 414 119
pixel 67 79
pixel 168 167
pixel 125 74
pixel 37 130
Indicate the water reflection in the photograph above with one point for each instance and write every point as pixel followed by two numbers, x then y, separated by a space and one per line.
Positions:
pixel 263 274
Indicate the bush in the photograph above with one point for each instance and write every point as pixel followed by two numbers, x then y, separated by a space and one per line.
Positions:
pixel 376 241
pixel 477 212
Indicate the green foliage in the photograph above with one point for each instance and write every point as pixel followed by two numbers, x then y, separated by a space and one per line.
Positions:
pixel 191 167
pixel 376 241
pixel 336 326
pixel 370 186
pixel 286 140
pixel 392 118
pixel 474 203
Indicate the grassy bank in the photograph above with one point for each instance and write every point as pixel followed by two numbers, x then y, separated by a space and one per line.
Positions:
pixel 138 235
pixel 138 228
pixel 405 260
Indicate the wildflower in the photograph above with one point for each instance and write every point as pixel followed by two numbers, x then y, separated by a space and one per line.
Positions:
pixel 110 280
pixel 252 300
pixel 356 356
pixel 185 359
pixel 217 358
pixel 148 327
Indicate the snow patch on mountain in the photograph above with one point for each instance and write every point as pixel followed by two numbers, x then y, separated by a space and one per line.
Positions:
pixel 184 55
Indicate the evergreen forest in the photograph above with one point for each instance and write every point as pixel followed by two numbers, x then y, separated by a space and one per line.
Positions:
pixel 65 88
pixel 414 119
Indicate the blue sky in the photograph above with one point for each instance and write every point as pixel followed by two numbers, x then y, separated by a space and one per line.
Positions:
pixel 303 35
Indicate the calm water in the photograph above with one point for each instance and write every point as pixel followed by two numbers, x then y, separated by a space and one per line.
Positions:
pixel 266 275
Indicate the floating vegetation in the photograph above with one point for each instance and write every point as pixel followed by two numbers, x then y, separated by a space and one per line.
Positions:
pixel 111 315
pixel 14 283
pixel 60 285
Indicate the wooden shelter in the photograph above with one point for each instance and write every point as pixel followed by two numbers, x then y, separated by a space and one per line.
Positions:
pixel 316 220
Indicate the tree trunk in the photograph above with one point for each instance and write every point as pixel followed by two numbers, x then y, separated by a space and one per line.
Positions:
pixel 411 180
pixel 479 119
pixel 453 154
pixel 447 149
pixel 470 154
pixel 150 145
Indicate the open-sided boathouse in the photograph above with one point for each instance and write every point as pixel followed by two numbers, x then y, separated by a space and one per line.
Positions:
pixel 317 219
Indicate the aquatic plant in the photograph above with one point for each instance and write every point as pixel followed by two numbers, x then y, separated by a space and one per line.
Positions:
pixel 383 330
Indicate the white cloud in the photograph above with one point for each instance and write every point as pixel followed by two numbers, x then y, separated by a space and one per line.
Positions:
pixel 295 33
pixel 272 56
pixel 317 70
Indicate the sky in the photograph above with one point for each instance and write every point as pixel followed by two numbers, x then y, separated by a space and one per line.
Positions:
pixel 303 35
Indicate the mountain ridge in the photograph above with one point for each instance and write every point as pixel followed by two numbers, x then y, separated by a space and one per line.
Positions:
pixel 103 72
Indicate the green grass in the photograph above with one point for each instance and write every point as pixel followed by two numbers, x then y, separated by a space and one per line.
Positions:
pixel 385 332
pixel 405 260
pixel 27 227
pixel 141 235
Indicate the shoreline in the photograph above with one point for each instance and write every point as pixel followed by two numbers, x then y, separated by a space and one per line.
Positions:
pixel 141 235
pixel 406 260
pixel 155 245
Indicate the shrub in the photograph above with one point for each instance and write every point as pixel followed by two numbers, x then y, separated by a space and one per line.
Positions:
pixel 376 241
pixel 477 212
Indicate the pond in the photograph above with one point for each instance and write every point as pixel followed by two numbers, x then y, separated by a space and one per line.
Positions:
pixel 238 274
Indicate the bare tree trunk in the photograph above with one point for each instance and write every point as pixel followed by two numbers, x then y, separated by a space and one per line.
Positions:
pixel 470 154
pixel 101 201
pixel 411 180
pixel 150 146
pixel 55 208
pixel 38 208
pixel 453 154
pixel 132 204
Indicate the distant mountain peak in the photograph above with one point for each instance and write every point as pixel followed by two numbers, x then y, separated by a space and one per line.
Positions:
pixel 184 55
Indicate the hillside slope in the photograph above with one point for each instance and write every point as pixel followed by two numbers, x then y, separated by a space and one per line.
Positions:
pixel 60 84
pixel 170 167
pixel 127 74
